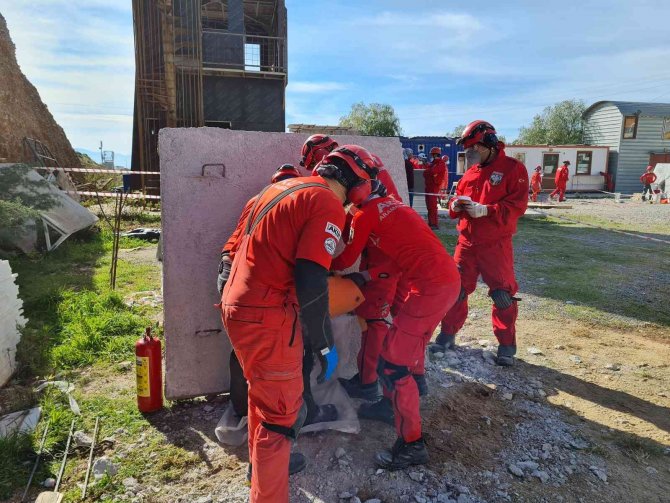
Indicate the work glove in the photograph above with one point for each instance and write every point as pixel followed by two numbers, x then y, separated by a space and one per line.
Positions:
pixel 476 210
pixel 360 278
pixel 224 272
pixel 455 205
pixel 328 359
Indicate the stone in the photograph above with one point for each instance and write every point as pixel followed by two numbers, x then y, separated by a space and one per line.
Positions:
pixel 340 452
pixel 125 366
pixel 575 359
pixel 507 396
pixel 483 342
pixel 541 393
pixel 579 444
pixel 49 483
pixel 444 498
pixel 464 498
pixel 651 470
pixel 420 499
pixel 570 302
pixel 560 347
pixel 205 499
pixel 345 495
pixel 528 465
pixel 103 466
pixel 438 355
pixel 130 483
pixel 542 475
pixel 535 351
pixel 81 439
pixel 416 476
pixel 379 471
pixel 515 470
pixel 601 473
pixel 208 408
pixel 373 500
pixel 355 499
pixel 613 366
pixel 546 447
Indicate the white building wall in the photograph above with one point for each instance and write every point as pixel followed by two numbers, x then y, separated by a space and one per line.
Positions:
pixel 534 155
pixel 11 310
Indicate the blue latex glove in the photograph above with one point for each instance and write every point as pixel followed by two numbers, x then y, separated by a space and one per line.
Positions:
pixel 328 365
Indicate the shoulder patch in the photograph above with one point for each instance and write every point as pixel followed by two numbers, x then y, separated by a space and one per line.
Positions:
pixel 330 245
pixel 333 230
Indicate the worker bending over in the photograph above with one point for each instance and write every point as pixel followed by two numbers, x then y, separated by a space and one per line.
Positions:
pixel 314 149
pixel 280 269
pixel 434 176
pixel 434 285
pixel 647 178
pixel 490 198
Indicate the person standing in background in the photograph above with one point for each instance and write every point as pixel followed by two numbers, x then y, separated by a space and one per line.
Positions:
pixel 408 154
pixel 536 183
pixel 561 180
pixel 647 178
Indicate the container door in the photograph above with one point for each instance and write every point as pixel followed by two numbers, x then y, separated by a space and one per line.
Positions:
pixel 549 167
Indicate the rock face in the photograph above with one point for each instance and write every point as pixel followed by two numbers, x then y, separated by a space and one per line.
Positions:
pixel 22 112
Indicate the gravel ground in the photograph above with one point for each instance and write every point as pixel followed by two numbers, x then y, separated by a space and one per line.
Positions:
pixel 633 215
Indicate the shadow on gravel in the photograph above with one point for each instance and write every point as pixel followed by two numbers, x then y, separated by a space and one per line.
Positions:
pixel 614 400
pixel 592 268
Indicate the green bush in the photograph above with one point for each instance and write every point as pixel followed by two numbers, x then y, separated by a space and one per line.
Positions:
pixel 95 326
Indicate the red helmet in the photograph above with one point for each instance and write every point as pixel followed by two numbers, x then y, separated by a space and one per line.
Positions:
pixel 436 150
pixel 538 168
pixel 650 168
pixel 478 131
pixel 285 171
pixel 315 148
pixel 445 158
pixel 362 166
pixel 379 164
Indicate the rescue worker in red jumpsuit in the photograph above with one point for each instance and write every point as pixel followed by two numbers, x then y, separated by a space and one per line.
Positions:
pixel 434 176
pixel 561 180
pixel 536 183
pixel 379 294
pixel 280 269
pixel 238 384
pixel 434 285
pixel 647 179
pixel 314 149
pixel 490 198
pixel 408 154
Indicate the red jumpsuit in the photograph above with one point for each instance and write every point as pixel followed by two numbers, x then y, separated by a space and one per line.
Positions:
pixel 561 180
pixel 379 294
pixel 434 176
pixel 485 244
pixel 536 184
pixel 260 313
pixel 434 285
pixel 647 179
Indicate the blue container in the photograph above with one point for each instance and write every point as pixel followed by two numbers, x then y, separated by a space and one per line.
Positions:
pixel 126 183
pixel 423 144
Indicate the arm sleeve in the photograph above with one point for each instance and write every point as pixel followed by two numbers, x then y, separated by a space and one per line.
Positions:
pixel 231 245
pixel 514 204
pixel 321 230
pixel 456 214
pixel 311 287
pixel 361 226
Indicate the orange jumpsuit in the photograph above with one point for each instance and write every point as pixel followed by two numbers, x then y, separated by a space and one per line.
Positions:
pixel 536 185
pixel 260 314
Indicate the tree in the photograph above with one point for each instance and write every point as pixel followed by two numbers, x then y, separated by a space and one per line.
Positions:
pixel 458 131
pixel 560 124
pixel 375 119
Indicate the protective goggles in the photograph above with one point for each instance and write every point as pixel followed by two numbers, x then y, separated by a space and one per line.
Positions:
pixel 479 128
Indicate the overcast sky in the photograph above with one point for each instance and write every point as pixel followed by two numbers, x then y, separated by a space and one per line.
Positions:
pixel 439 63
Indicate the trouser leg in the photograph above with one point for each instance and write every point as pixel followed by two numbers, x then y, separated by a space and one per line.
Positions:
pixel 372 341
pixel 465 257
pixel 238 387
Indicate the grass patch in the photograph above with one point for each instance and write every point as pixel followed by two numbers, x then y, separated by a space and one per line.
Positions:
pixel 638 448
pixel 13 448
pixel 95 327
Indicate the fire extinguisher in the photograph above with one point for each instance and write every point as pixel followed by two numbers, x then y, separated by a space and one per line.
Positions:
pixel 148 365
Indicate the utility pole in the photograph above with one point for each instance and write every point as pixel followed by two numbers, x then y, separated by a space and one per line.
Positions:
pixel 101 159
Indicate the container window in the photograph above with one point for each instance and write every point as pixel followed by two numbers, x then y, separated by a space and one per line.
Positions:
pixel 252 57
pixel 630 127
pixel 584 160
pixel 521 157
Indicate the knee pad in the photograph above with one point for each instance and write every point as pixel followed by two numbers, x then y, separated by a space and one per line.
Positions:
pixel 502 299
pixel 292 431
pixel 389 373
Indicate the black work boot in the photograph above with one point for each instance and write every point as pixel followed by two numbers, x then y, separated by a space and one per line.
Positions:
pixel 442 343
pixel 321 414
pixel 355 389
pixel 505 356
pixel 421 383
pixel 402 455
pixel 296 463
pixel 378 411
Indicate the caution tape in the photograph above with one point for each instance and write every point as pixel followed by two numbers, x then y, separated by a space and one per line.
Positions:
pixel 100 170
pixel 114 194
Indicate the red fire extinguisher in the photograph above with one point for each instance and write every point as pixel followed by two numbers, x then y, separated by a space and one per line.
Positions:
pixel 148 365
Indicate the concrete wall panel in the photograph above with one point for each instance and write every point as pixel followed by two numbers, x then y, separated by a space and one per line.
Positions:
pixel 200 208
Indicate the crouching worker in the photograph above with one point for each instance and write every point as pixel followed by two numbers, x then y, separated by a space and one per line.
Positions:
pixel 276 292
pixel 434 285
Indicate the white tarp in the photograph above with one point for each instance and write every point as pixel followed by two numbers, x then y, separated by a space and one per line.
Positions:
pixel 11 320
pixel 662 171
pixel 58 223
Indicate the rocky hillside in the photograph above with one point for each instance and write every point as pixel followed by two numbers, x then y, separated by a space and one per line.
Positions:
pixel 22 112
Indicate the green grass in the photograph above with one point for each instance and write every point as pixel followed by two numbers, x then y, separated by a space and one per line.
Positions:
pixel 13 448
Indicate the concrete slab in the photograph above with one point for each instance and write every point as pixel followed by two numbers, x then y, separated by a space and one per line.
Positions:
pixel 207 175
